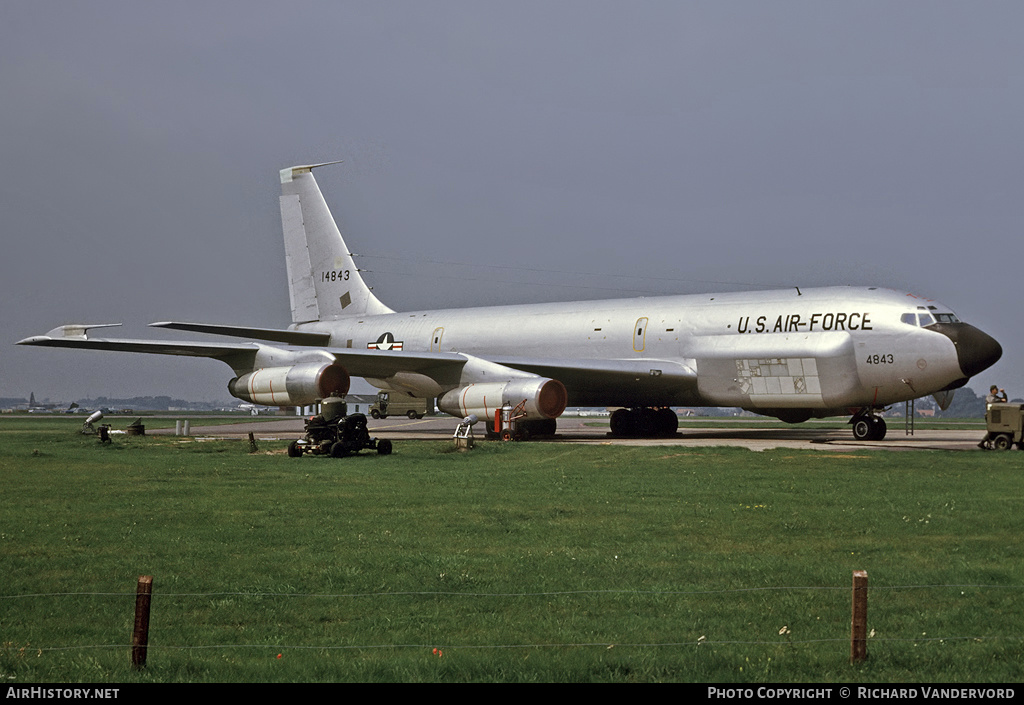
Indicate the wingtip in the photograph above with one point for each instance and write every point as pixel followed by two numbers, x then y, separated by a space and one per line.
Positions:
pixel 289 173
pixel 78 330
pixel 72 330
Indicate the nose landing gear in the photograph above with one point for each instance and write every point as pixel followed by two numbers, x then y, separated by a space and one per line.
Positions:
pixel 867 426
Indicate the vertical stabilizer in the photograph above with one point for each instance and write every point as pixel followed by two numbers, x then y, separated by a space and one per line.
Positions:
pixel 323 281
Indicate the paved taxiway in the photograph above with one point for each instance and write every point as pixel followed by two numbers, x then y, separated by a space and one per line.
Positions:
pixel 743 433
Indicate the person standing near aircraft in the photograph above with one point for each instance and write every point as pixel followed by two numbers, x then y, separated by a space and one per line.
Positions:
pixel 995 395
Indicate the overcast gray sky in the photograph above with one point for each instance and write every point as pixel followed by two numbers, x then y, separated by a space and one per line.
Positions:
pixel 497 152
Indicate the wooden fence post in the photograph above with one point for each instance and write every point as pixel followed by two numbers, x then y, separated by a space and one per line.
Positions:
pixel 140 635
pixel 859 630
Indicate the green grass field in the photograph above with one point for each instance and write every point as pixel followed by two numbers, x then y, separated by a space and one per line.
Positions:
pixel 519 562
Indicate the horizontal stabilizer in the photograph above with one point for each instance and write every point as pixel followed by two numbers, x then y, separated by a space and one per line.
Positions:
pixel 288 337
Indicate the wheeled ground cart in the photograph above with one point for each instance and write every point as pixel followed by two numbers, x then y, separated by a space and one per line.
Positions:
pixel 1005 426
pixel 337 437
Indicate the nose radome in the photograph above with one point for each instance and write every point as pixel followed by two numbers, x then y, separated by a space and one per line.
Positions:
pixel 976 350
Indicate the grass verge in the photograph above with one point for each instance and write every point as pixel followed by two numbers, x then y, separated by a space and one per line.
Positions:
pixel 519 562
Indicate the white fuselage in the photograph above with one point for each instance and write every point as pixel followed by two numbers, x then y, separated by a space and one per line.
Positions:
pixel 826 349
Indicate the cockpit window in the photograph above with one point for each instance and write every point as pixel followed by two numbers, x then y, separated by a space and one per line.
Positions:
pixel 927 319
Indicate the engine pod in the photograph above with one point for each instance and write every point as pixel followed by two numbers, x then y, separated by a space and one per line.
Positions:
pixel 544 398
pixel 297 385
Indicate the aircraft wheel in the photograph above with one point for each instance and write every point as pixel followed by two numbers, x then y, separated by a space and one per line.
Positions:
pixel 293 450
pixel 538 427
pixel 862 429
pixel 647 422
pixel 668 422
pixel 506 434
pixel 384 447
pixel 878 428
pixel 623 422
pixel 1002 442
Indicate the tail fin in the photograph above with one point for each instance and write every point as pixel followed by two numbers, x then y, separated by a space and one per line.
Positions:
pixel 323 281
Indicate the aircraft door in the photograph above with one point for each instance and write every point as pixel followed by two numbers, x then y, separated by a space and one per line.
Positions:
pixel 435 340
pixel 639 334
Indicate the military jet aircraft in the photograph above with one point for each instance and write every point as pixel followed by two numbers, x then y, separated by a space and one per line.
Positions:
pixel 793 353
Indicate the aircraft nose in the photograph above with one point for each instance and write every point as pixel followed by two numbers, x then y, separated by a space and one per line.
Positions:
pixel 976 350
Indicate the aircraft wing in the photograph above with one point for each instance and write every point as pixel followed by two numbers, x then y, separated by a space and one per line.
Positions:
pixel 160 347
pixel 550 367
pixel 642 379
pixel 244 357
pixel 646 382
pixel 380 364
pixel 289 337
pixel 588 382
pixel 240 356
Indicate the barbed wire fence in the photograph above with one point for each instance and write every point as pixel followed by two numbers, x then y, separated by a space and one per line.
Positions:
pixel 699 642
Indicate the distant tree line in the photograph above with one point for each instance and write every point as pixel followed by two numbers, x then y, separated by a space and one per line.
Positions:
pixel 158 403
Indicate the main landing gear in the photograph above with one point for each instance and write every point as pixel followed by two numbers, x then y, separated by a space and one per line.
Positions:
pixel 867 426
pixel 644 422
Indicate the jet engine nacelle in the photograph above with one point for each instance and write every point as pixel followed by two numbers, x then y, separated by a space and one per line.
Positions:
pixel 545 398
pixel 297 385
